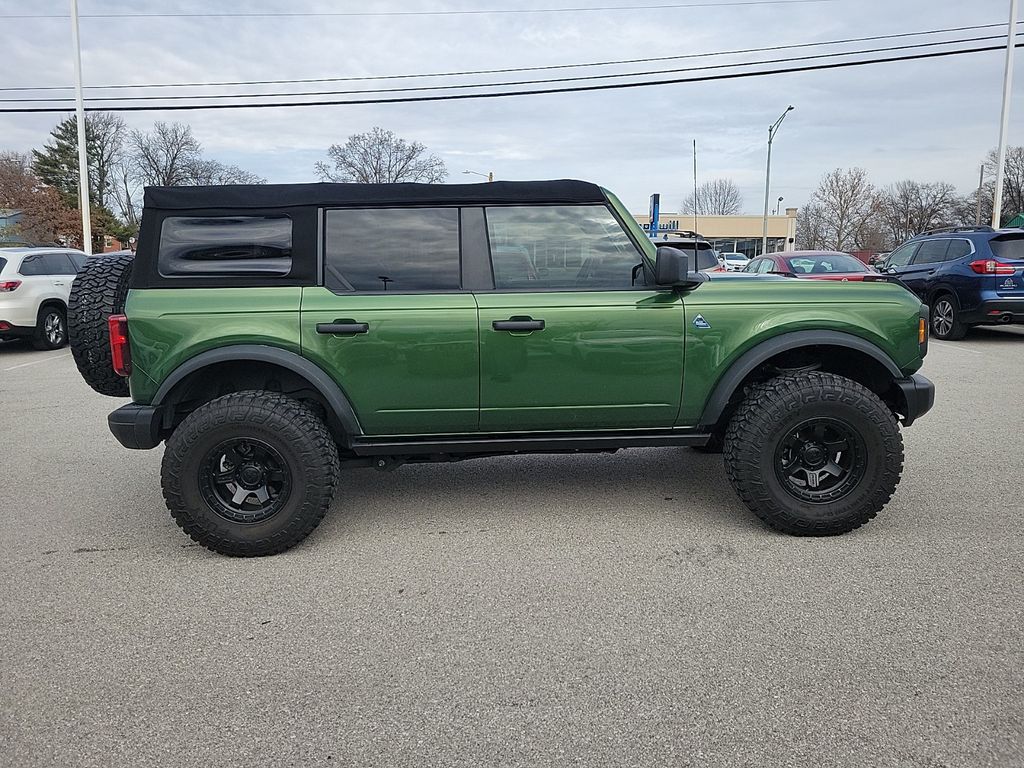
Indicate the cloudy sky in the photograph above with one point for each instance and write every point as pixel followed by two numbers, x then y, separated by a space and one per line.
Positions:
pixel 927 120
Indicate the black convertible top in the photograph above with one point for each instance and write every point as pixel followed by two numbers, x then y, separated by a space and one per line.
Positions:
pixel 233 196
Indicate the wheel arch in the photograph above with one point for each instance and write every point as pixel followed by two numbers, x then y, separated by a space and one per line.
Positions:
pixel 52 301
pixel 241 367
pixel 832 351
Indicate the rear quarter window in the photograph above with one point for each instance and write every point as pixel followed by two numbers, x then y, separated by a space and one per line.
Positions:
pixel 3 263
pixel 1008 247
pixel 210 246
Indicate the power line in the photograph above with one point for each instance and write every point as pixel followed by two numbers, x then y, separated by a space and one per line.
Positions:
pixel 463 86
pixel 503 94
pixel 515 69
pixel 472 12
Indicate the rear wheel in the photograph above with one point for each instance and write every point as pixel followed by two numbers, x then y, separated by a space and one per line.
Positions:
pixel 813 454
pixel 51 328
pixel 945 318
pixel 250 474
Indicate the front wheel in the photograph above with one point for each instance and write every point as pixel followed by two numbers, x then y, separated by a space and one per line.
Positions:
pixel 813 454
pixel 250 474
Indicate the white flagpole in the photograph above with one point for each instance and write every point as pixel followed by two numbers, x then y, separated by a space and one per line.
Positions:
pixel 83 156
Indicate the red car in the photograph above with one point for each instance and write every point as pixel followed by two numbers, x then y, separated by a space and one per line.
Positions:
pixel 815 265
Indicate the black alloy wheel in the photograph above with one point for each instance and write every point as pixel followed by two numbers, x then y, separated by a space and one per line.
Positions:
pixel 821 461
pixel 245 480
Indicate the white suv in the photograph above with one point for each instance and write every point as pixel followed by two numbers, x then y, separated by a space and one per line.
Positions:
pixel 34 288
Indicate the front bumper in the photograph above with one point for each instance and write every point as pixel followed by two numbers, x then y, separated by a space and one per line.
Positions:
pixel 916 396
pixel 136 426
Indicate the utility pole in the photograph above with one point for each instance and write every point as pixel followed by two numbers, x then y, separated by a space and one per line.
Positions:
pixel 772 130
pixel 83 155
pixel 1004 124
pixel 977 209
pixel 695 187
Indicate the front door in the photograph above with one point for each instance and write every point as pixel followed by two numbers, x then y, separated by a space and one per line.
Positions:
pixel 570 338
pixel 390 322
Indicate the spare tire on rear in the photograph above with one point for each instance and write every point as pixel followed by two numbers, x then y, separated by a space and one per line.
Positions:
pixel 98 292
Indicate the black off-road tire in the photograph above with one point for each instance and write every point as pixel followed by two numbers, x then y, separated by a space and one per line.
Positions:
pixel 289 428
pixel 99 291
pixel 775 410
pixel 944 318
pixel 51 328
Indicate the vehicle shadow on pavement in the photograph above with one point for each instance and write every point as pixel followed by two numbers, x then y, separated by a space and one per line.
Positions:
pixel 996 334
pixel 655 483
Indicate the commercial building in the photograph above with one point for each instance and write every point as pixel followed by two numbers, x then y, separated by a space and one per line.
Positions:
pixel 730 234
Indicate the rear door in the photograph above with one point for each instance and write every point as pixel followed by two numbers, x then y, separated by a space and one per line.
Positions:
pixel 391 323
pixel 571 338
pixel 62 272
pixel 919 275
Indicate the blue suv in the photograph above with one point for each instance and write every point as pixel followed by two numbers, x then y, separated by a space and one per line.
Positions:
pixel 967 275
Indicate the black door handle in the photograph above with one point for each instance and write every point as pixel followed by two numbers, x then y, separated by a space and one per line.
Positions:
pixel 525 324
pixel 348 327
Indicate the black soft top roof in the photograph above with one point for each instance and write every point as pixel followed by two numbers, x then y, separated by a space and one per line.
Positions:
pixel 233 196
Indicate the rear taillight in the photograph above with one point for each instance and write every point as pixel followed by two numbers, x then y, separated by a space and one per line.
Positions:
pixel 992 267
pixel 6 286
pixel 120 351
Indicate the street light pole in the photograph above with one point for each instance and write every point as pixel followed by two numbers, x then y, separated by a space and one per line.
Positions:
pixel 83 158
pixel 778 206
pixel 772 130
pixel 997 203
pixel 489 175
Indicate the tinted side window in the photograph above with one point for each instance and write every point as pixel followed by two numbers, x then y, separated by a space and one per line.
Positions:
pixel 931 252
pixel 78 259
pixel 205 246
pixel 958 249
pixel 59 264
pixel 560 247
pixel 32 266
pixel 901 256
pixel 392 249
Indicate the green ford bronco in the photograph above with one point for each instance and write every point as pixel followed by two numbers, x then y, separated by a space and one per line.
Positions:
pixel 274 335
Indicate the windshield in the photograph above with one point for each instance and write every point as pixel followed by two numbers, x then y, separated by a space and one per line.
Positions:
pixel 1008 247
pixel 824 264
pixel 735 257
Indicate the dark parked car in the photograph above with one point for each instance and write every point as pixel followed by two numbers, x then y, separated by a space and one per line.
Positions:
pixel 967 275
pixel 816 265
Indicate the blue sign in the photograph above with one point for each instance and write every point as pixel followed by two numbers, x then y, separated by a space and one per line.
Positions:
pixel 655 208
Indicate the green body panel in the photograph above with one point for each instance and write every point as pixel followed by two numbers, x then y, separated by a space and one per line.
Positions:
pixel 167 326
pixel 416 370
pixel 605 360
pixel 743 313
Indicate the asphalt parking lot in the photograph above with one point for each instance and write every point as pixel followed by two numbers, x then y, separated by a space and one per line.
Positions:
pixel 596 610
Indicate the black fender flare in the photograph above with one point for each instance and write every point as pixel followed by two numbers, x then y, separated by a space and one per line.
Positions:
pixel 752 358
pixel 311 372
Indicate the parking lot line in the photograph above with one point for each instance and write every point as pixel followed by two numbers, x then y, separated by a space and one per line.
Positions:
pixel 36 362
pixel 954 347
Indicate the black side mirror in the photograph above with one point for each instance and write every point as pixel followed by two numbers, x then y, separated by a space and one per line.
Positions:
pixel 671 266
pixel 672 269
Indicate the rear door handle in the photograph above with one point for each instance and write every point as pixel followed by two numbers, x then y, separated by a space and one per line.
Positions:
pixel 342 328
pixel 523 324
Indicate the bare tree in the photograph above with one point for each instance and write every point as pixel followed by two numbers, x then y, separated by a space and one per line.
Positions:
pixel 380 157
pixel 165 156
pixel 204 172
pixel 847 203
pixel 106 149
pixel 810 227
pixel 909 207
pixel 719 197
pixel 1013 183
